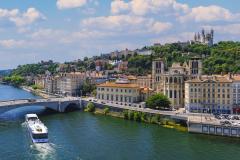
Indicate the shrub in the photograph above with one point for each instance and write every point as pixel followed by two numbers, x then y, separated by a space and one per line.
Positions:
pixel 130 115
pixel 106 110
pixel 125 114
pixel 90 107
pixel 137 116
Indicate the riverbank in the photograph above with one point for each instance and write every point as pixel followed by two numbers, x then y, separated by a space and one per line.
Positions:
pixel 161 120
pixel 38 92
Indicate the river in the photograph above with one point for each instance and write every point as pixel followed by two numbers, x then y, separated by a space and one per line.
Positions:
pixel 84 136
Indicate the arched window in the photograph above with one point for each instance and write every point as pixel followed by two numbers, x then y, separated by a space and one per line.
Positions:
pixel 175 79
pixel 166 79
pixel 170 80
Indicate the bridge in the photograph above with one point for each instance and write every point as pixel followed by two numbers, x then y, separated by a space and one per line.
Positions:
pixel 56 104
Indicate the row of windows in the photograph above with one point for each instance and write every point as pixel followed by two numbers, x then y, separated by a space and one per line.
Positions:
pixel 173 93
pixel 208 90
pixel 117 90
pixel 213 84
pixel 208 101
pixel 211 95
pixel 175 80
pixel 120 98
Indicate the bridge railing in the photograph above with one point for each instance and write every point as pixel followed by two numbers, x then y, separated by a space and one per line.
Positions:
pixel 38 99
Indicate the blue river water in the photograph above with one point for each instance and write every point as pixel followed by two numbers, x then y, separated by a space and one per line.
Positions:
pixel 84 136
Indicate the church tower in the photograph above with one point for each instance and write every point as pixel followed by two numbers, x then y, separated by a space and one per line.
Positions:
pixel 157 71
pixel 195 66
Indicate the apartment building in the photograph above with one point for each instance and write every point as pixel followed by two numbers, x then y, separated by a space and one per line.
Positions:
pixel 236 94
pixel 122 91
pixel 212 94
pixel 70 83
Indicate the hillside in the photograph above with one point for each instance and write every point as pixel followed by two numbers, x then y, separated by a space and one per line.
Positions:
pixel 223 57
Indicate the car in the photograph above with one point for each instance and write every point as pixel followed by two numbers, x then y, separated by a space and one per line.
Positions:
pixel 94 100
pixel 103 102
pixel 31 100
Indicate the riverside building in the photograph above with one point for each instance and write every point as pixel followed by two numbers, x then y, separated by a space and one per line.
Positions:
pixel 122 92
pixel 212 94
pixel 71 82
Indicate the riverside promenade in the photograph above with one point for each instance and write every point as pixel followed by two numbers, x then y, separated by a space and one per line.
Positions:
pixel 196 122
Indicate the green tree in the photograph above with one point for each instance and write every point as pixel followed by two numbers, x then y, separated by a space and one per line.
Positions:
pixel 14 80
pixel 137 116
pixel 130 115
pixel 158 101
pixel 125 114
pixel 90 107
pixel 106 110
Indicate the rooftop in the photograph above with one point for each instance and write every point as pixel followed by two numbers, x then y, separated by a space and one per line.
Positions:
pixel 118 85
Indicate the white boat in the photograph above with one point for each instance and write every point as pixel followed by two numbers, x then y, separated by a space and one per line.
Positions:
pixel 37 130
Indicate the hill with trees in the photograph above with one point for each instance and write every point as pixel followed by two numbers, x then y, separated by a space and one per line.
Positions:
pixel 222 57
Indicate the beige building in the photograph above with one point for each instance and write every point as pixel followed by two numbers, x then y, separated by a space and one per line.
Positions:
pixel 122 91
pixel 51 84
pixel 70 83
pixel 39 81
pixel 209 94
pixel 144 81
pixel 141 81
pixel 236 94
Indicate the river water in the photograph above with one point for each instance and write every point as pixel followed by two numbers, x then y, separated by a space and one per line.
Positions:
pixel 83 136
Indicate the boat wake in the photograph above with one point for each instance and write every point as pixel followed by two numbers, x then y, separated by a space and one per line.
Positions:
pixel 43 150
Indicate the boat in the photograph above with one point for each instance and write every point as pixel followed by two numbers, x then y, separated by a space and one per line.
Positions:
pixel 37 130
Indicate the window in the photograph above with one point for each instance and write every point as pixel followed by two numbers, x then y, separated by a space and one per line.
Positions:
pixel 175 79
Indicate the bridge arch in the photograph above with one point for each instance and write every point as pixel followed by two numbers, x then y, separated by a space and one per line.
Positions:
pixel 71 107
pixel 59 105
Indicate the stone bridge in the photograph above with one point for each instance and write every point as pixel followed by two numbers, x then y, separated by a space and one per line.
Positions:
pixel 57 104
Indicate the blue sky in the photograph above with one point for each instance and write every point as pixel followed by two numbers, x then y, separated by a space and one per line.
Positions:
pixel 63 30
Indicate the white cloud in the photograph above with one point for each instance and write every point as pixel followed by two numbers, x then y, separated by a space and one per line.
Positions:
pixel 21 19
pixel 126 23
pixel 11 43
pixel 232 29
pixel 118 6
pixel 159 27
pixel 143 7
pixel 30 16
pixel 181 37
pixel 208 14
pixel 67 4
pixel 8 13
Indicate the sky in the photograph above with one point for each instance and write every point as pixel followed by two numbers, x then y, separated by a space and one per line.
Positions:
pixel 65 30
